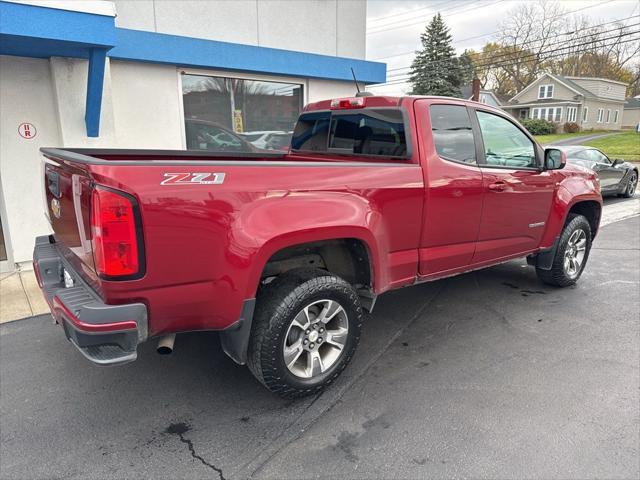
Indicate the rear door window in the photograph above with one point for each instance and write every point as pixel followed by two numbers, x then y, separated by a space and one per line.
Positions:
pixel 371 132
pixel 452 133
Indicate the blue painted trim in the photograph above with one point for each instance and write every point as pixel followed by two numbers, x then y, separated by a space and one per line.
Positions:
pixel 57 25
pixel 95 81
pixel 136 45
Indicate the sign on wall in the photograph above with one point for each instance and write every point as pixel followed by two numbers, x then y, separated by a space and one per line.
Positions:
pixel 237 121
pixel 27 130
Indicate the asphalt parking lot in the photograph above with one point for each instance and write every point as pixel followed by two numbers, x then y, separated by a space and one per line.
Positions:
pixel 486 375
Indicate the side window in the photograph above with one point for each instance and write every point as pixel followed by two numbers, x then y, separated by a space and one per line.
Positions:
pixel 452 133
pixel 583 155
pixel 598 157
pixel 505 145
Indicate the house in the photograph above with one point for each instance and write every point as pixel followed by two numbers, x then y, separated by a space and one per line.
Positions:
pixel 488 97
pixel 631 113
pixel 592 103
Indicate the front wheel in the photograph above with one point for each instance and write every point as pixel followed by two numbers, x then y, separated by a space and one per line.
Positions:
pixel 571 256
pixel 305 331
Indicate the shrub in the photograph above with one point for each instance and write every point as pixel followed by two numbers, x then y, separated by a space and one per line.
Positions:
pixel 571 127
pixel 539 127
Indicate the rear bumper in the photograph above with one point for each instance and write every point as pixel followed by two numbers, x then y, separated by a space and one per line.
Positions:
pixel 104 334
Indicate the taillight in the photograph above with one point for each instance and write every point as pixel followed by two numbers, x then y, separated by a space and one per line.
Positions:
pixel 113 227
pixel 346 103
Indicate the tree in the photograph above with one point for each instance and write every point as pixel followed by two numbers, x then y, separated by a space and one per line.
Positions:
pixel 541 37
pixel 435 69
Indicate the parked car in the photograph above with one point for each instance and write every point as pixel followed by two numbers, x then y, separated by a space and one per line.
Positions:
pixel 279 141
pixel 206 135
pixel 281 252
pixel 269 140
pixel 616 177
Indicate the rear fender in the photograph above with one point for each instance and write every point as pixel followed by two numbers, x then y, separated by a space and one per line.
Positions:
pixel 293 219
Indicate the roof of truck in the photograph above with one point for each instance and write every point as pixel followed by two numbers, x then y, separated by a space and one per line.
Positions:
pixel 389 101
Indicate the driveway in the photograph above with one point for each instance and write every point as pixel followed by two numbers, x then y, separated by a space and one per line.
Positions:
pixel 582 139
pixel 485 375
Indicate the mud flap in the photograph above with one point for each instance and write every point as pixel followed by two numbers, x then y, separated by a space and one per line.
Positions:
pixel 235 339
pixel 544 259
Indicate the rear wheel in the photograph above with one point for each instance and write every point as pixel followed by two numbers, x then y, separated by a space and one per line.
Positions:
pixel 305 332
pixel 571 256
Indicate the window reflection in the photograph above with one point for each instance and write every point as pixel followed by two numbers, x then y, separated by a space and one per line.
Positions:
pixel 236 115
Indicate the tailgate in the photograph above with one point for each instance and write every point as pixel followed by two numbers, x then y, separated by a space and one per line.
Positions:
pixel 68 204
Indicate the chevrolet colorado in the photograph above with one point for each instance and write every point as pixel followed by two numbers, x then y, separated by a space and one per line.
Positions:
pixel 281 252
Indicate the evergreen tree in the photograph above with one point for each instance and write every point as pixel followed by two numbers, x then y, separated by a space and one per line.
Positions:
pixel 435 70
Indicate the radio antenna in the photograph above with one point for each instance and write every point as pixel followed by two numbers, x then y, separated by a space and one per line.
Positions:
pixel 355 80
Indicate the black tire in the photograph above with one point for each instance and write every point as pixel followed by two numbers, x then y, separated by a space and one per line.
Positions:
pixel 278 304
pixel 558 276
pixel 630 186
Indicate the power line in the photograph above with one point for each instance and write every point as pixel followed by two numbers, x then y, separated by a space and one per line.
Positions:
pixel 457 12
pixel 551 45
pixel 551 55
pixel 498 31
pixel 503 64
pixel 407 12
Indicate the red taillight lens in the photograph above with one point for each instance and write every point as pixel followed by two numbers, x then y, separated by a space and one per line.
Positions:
pixel 113 228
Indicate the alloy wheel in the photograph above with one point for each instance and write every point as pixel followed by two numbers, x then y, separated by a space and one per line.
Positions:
pixel 574 253
pixel 633 182
pixel 316 338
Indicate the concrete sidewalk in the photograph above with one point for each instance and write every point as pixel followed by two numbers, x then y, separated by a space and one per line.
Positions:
pixel 20 296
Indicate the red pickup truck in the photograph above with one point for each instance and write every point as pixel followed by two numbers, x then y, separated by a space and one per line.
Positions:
pixel 281 252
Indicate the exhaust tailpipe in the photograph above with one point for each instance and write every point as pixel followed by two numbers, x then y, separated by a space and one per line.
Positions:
pixel 165 344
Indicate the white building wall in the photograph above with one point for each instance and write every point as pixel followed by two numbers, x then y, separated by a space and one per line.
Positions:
pixel 26 95
pixel 69 81
pixel 329 27
pixel 146 105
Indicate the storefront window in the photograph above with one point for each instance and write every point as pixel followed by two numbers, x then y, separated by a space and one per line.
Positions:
pixel 235 115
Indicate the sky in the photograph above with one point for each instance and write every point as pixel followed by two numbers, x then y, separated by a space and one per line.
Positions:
pixel 394 26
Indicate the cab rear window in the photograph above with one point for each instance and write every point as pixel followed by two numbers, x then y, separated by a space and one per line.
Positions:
pixel 370 132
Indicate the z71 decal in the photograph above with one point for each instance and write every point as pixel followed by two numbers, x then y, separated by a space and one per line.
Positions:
pixel 193 179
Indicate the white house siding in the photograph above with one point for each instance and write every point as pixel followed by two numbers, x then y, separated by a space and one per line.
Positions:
pixel 560 92
pixel 592 115
pixel 602 88
pixel 631 118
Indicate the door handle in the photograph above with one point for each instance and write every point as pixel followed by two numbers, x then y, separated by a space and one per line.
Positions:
pixel 498 186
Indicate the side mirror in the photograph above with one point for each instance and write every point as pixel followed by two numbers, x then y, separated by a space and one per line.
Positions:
pixel 617 162
pixel 554 159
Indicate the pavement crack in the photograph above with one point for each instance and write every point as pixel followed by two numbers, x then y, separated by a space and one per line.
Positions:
pixel 180 429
